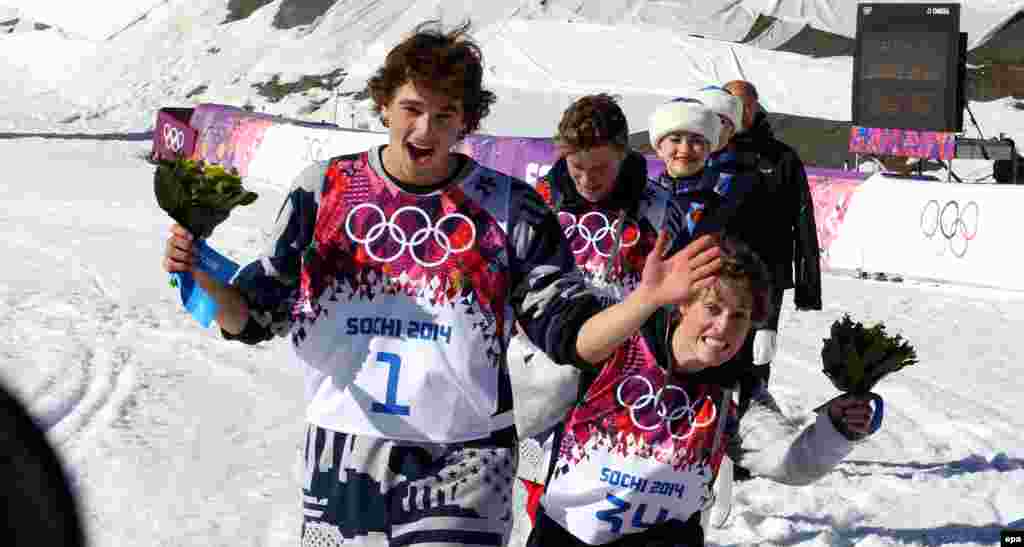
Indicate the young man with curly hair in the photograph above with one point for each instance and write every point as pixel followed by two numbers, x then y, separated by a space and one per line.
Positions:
pixel 398 274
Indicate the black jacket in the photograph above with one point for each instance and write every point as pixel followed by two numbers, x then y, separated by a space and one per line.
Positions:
pixel 648 205
pixel 777 218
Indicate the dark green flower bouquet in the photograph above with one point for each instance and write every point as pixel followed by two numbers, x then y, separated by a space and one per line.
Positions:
pixel 856 357
pixel 200 196
pixel 197 195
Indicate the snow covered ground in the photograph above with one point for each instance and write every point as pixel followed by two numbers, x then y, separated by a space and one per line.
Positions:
pixel 176 437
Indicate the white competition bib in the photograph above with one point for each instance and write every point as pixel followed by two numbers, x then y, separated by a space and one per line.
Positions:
pixel 607 496
pixel 401 317
pixel 388 368
pixel 636 452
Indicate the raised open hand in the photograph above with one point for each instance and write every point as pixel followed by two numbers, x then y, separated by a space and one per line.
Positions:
pixel 671 280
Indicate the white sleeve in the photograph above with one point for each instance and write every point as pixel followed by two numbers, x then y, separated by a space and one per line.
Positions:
pixel 771 446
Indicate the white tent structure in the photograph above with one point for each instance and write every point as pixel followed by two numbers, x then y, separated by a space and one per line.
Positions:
pixel 729 20
pixel 980 19
pixel 523 57
pixel 524 54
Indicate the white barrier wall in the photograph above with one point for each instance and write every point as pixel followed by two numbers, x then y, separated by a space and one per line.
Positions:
pixel 288 149
pixel 948 231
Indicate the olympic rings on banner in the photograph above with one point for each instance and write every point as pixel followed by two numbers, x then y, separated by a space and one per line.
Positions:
pixel 314 149
pixel 605 233
pixel 397 234
pixel 957 224
pixel 654 401
pixel 174 138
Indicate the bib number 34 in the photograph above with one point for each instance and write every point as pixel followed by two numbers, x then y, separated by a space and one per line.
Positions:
pixel 390 404
pixel 624 512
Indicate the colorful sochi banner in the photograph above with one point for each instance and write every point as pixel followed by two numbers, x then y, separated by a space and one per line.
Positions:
pixel 525 158
pixel 229 136
pixel 271 149
pixel 936 145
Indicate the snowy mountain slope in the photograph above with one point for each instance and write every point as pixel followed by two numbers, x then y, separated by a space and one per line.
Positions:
pixel 295 58
pixel 92 21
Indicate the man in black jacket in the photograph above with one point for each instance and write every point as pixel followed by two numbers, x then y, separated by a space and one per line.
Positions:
pixel 777 221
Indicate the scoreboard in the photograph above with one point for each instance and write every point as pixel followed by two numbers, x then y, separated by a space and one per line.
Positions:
pixel 909 67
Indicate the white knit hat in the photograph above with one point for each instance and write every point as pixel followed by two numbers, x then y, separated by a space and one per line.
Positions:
pixel 722 102
pixel 684 114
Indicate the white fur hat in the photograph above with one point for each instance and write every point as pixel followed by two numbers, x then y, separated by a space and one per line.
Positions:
pixel 722 102
pixel 684 114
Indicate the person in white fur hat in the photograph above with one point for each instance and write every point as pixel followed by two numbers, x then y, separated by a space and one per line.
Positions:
pixel 729 109
pixel 685 133
pixel 728 169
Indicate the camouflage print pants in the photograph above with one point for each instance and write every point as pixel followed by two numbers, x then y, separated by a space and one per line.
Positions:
pixel 368 491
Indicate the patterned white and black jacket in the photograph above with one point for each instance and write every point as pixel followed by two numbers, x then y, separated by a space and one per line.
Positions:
pixel 399 302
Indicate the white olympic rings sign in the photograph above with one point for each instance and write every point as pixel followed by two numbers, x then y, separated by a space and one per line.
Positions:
pixel 395 233
pixel 174 138
pixel 956 222
pixel 605 232
pixel 655 401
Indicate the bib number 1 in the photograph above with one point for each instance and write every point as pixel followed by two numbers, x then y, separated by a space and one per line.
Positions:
pixel 390 405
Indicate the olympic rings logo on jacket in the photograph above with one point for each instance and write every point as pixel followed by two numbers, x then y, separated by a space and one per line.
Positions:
pixel 642 407
pixel 601 234
pixel 387 229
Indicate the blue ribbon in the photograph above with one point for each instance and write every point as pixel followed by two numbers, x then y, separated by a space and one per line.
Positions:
pixel 197 301
pixel 876 419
